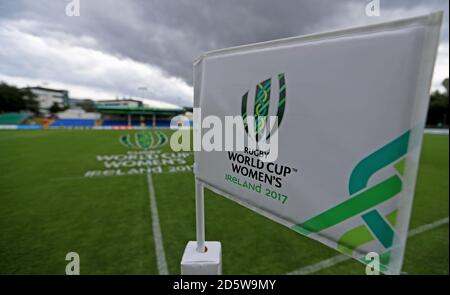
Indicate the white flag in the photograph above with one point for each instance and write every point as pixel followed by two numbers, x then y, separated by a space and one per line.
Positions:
pixel 351 107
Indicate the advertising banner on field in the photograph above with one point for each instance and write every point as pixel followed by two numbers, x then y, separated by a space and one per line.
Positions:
pixel 350 110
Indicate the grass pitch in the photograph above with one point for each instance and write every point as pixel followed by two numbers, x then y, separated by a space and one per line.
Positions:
pixel 48 208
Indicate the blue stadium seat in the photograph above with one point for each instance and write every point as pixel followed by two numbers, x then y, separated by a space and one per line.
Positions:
pixel 73 123
pixel 120 123
pixel 148 123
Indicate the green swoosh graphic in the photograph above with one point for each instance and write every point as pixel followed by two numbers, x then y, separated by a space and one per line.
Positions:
pixel 381 158
pixel 363 201
pixel 361 174
pixel 381 229
pixel 360 235
pixel 353 206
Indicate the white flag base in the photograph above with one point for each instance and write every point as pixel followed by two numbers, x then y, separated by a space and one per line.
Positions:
pixel 197 263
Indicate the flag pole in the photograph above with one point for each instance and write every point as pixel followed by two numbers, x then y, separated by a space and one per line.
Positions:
pixel 200 257
pixel 200 216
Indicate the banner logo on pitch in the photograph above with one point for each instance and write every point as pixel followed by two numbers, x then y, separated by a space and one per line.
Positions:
pixel 144 140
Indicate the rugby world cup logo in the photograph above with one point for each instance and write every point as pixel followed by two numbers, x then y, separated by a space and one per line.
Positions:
pixel 261 107
pixel 144 140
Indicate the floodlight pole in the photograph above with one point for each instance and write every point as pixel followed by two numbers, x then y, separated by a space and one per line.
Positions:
pixel 200 216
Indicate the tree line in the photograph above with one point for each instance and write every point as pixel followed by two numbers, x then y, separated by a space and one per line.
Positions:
pixel 14 99
pixel 438 109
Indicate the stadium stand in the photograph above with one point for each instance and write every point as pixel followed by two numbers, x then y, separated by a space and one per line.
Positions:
pixel 73 123
pixel 160 123
pixel 148 123
pixel 119 123
pixel 115 114
pixel 13 118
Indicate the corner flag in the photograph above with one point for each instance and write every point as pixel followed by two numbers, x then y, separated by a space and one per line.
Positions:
pixel 350 107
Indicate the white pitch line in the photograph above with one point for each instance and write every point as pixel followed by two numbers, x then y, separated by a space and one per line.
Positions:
pixel 157 236
pixel 427 227
pixel 341 258
pixel 320 265
pixel 436 131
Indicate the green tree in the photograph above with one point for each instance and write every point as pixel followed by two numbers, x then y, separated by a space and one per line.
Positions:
pixel 438 109
pixel 31 103
pixel 13 99
pixel 55 108
pixel 87 105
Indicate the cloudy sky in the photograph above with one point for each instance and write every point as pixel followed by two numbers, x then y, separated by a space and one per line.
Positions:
pixel 115 47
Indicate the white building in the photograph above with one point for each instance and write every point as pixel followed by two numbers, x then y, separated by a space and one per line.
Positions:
pixel 47 97
pixel 78 113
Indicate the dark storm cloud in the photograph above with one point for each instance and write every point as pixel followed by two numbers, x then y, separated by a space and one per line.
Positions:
pixel 170 34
